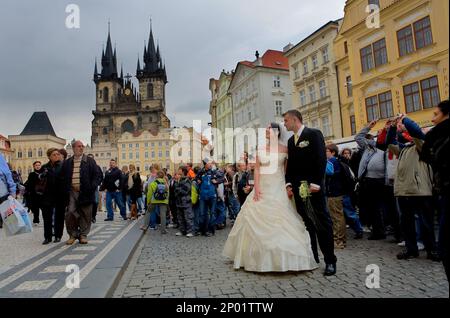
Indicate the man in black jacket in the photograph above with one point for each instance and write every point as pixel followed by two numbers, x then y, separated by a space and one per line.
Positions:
pixel 112 184
pixel 81 179
pixel 307 162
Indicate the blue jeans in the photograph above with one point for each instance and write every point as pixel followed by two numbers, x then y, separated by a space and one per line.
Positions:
pixel 221 215
pixel 154 216
pixel 207 217
pixel 117 197
pixel 233 206
pixel 350 215
pixel 140 204
pixel 196 209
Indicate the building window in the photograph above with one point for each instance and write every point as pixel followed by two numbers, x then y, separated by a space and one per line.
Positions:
pixel 430 92
pixel 167 153
pixel 249 113
pixel 123 146
pixel 130 146
pixel 325 57
pixel 345 48
pixel 30 154
pixel 167 143
pixel 326 129
pixel 385 101
pixel 105 131
pixel 160 154
pixel 353 124
pixel 150 90
pixel 302 97
pixel 296 75
pixel 153 144
pixel 276 81
pixel 137 146
pixel 380 52
pixel 312 93
pixel 146 155
pixel 102 154
pixel 305 67
pixel 137 155
pixel 105 95
pixel 379 106
pixel 412 97
pixel 372 108
pixel 374 2
pixel 40 153
pixel 160 143
pixel 153 154
pixel 422 33
pixel 130 155
pixel 19 154
pixel 124 156
pixel 315 123
pixel 314 61
pixel 146 145
pixel 348 83
pixel 405 41
pixel 322 89
pixel 279 108
pixel 109 155
pixel 367 58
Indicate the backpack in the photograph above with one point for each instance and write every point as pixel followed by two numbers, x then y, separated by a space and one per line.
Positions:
pixel 41 183
pixel 348 178
pixel 194 193
pixel 161 191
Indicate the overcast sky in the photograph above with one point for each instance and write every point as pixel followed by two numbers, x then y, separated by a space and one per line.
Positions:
pixel 46 67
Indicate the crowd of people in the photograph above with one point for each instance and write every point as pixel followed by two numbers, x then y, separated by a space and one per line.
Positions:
pixel 394 184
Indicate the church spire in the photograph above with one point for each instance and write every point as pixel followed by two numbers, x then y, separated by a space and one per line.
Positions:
pixel 152 63
pixel 109 59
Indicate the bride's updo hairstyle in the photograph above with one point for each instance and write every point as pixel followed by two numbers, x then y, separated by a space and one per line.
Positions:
pixel 277 127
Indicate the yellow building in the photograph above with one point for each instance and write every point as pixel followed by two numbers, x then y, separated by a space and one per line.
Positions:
pixel 144 149
pixel 392 61
pixel 32 144
pixel 314 80
pixel 221 109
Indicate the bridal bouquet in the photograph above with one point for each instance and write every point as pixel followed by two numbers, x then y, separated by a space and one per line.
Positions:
pixel 305 195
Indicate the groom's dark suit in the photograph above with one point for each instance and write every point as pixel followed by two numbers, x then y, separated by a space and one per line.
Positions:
pixel 307 162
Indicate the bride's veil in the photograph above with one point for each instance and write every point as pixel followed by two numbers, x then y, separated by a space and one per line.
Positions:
pixel 284 134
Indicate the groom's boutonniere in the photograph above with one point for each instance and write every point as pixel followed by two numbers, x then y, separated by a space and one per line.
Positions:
pixel 303 144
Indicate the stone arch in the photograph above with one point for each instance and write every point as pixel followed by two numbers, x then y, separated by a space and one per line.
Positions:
pixel 128 126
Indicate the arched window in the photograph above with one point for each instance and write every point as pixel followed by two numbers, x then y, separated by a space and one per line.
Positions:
pixel 150 90
pixel 105 131
pixel 30 153
pixel 19 154
pixel 127 126
pixel 40 153
pixel 106 95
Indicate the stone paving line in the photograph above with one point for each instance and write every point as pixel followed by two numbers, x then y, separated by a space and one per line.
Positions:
pixel 165 266
pixel 42 273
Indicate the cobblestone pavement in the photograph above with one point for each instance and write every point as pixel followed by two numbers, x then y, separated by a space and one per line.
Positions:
pixel 30 269
pixel 171 266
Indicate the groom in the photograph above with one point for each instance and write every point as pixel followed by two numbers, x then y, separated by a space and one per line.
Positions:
pixel 307 162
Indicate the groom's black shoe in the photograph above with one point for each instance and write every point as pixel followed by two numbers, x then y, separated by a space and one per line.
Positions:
pixel 330 269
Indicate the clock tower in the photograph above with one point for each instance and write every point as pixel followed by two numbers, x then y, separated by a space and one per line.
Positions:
pixel 120 106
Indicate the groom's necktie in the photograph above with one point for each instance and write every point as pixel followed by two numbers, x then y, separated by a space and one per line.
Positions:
pixel 295 138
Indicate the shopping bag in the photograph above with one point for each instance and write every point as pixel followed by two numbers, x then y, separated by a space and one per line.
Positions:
pixel 28 228
pixel 12 219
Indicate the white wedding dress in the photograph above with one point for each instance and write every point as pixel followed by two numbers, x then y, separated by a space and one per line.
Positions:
pixel 269 235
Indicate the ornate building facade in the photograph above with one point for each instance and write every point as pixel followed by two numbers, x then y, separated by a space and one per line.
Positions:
pixel 120 106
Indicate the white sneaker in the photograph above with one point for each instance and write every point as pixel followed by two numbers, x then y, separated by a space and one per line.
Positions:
pixel 179 234
pixel 366 229
pixel 170 226
pixel 402 243
pixel 420 246
pixel 189 235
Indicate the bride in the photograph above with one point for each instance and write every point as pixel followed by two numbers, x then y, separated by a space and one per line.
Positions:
pixel 269 235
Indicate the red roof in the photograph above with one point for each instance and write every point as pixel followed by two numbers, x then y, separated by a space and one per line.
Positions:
pixel 270 59
pixel 275 59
